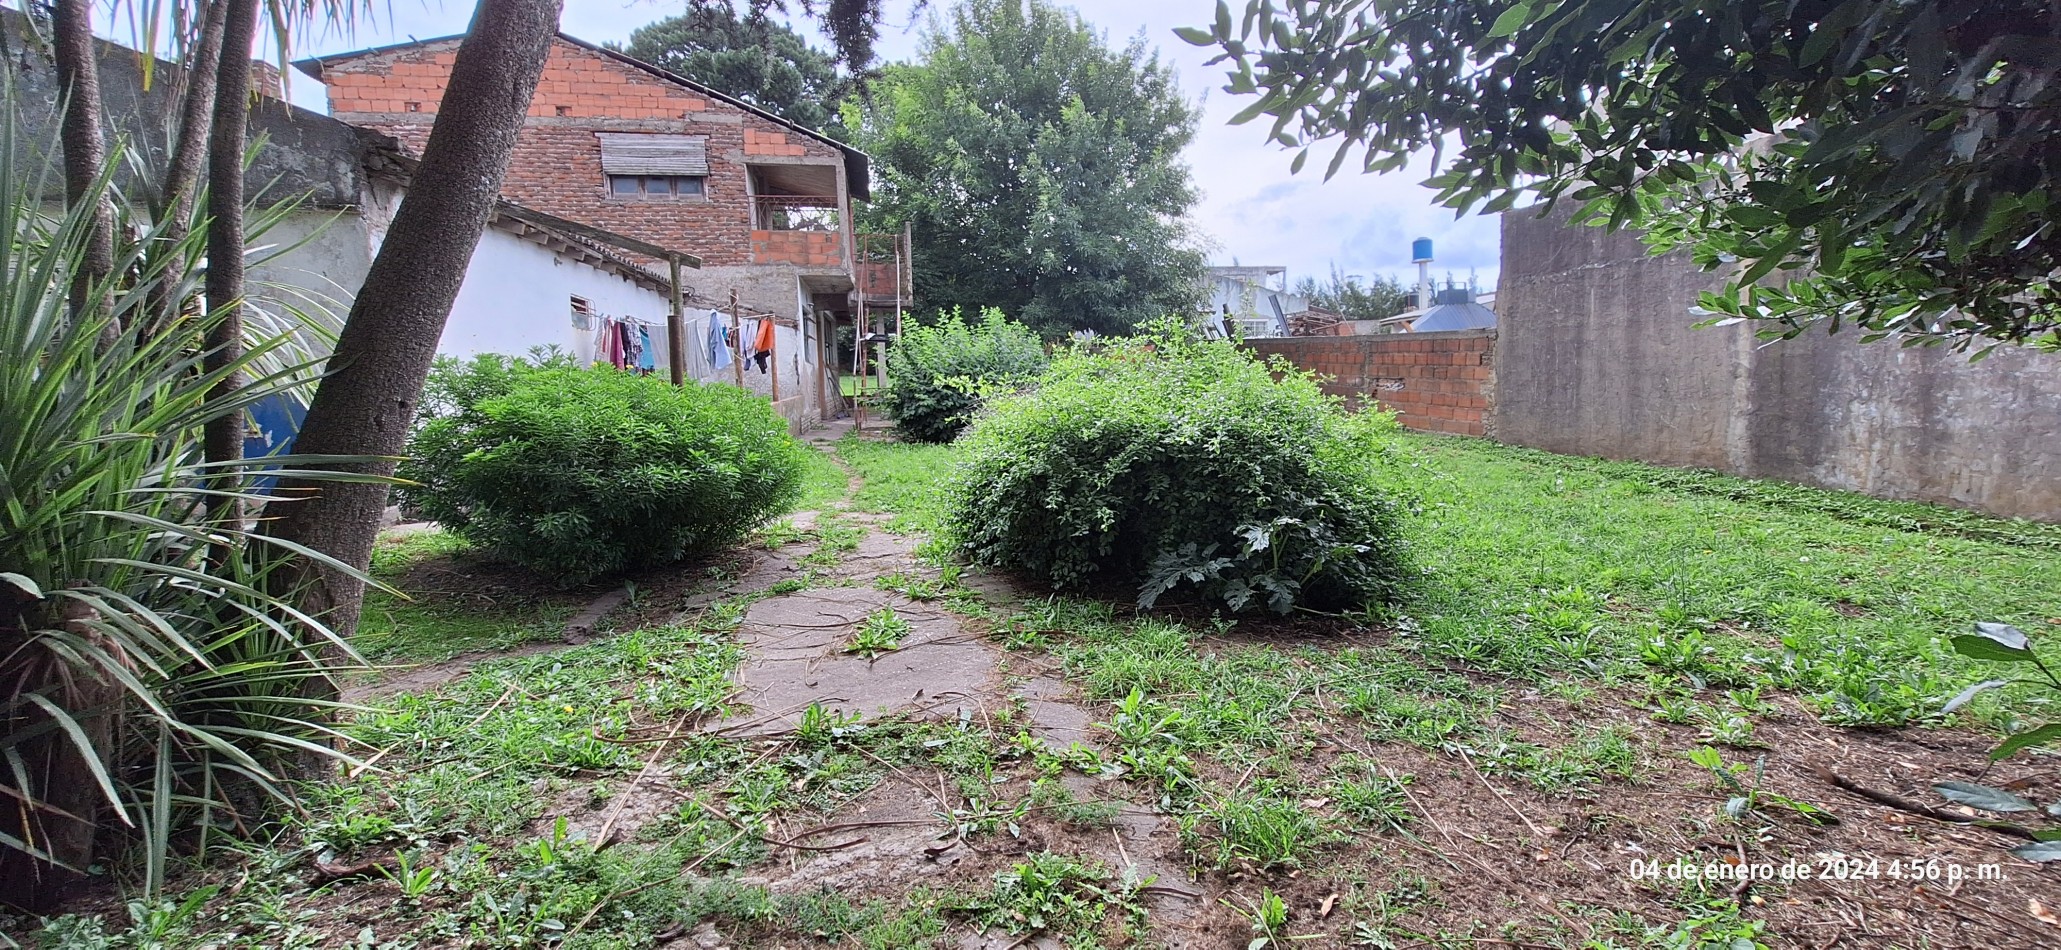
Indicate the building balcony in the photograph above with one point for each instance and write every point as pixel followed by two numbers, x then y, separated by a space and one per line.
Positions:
pixel 796 213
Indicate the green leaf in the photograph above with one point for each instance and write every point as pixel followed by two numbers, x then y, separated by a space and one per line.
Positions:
pixel 2039 851
pixel 1753 216
pixel 1980 649
pixel 2026 739
pixel 1983 797
pixel 93 756
pixel 1511 21
pixel 1961 698
pixel 1988 648
pixel 1195 37
pixel 2005 634
pixel 23 584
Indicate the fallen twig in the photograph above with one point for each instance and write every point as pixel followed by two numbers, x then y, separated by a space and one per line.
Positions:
pixel 1903 804
pixel 1521 816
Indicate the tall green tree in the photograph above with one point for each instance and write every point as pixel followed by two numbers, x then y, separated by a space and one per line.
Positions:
pixel 1039 168
pixel 1384 296
pixel 748 55
pixel 1894 160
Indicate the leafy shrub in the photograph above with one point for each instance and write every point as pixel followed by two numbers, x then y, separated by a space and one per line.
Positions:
pixel 579 473
pixel 937 372
pixel 1165 462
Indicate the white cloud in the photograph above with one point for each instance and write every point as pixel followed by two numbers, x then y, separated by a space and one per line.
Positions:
pixel 1252 209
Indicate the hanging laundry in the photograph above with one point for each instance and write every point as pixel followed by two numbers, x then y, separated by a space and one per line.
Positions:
pixel 611 349
pixel 718 342
pixel 645 364
pixel 762 348
pixel 630 348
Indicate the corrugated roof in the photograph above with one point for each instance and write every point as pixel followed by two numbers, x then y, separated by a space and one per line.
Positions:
pixel 1455 316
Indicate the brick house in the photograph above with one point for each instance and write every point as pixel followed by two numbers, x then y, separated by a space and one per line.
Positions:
pixel 623 145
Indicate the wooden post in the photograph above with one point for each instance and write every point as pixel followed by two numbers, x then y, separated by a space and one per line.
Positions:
pixel 860 323
pixel 676 328
pixel 737 327
pixel 773 364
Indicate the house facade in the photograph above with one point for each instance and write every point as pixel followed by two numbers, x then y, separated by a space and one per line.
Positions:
pixel 624 145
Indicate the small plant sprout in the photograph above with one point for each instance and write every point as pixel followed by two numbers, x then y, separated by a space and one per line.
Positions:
pixel 2003 643
pixel 1269 917
pixel 819 726
pixel 881 632
pixel 1749 793
pixel 414 880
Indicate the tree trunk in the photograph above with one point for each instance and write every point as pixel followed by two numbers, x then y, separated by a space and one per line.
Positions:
pixel 224 438
pixel 177 192
pixel 85 144
pixel 367 402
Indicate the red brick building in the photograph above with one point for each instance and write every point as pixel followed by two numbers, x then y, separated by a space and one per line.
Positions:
pixel 624 145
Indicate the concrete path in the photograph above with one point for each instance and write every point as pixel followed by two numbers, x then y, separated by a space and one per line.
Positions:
pixel 796 654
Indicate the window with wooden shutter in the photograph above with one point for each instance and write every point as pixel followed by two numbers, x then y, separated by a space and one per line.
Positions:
pixel 642 153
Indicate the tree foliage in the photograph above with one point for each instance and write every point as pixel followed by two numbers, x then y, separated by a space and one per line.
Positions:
pixel 853 26
pixel 1039 168
pixel 754 58
pixel 1358 299
pixel 1893 160
pixel 939 372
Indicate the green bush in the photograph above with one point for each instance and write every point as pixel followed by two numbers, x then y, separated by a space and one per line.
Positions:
pixel 937 373
pixel 1167 463
pixel 578 473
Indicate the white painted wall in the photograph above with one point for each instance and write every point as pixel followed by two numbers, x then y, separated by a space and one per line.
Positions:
pixel 518 295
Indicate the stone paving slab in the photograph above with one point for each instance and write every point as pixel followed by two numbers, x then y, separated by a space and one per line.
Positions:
pixel 795 655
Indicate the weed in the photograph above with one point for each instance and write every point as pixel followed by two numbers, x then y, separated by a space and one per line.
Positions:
pixel 1360 791
pixel 1082 903
pixel 1748 790
pixel 881 632
pixel 819 726
pixel 1269 918
pixel 1729 730
pixel 1717 926
pixel 1260 829
pixel 414 880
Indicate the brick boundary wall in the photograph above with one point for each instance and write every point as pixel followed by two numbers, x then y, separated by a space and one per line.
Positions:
pixel 1435 382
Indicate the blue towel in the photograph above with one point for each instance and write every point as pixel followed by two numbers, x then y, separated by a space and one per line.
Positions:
pixel 718 344
pixel 644 361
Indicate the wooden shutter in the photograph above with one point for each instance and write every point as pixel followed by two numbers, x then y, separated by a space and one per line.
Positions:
pixel 640 153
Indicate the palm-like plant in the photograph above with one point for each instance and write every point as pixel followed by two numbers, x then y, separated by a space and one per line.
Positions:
pixel 142 684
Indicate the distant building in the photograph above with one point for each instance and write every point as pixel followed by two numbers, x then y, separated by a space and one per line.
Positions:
pixel 1252 302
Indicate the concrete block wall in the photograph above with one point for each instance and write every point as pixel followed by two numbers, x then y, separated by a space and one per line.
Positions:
pixel 1435 382
pixel 1597 354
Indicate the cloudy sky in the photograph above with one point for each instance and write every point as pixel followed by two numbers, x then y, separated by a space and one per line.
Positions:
pixel 1252 209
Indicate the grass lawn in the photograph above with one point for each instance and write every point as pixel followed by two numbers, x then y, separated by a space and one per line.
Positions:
pixel 451 602
pixel 1601 662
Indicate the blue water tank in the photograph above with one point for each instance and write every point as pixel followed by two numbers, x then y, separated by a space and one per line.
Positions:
pixel 1420 250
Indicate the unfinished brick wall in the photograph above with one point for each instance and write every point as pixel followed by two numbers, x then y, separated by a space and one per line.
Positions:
pixel 557 165
pixel 803 248
pixel 1435 382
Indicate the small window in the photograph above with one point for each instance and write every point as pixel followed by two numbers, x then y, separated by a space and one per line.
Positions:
pixel 657 185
